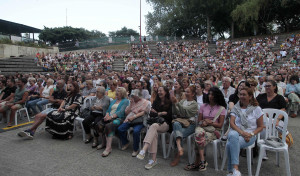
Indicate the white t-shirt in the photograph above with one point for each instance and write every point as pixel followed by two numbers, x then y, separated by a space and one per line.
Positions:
pixel 46 91
pixel 199 101
pixel 252 118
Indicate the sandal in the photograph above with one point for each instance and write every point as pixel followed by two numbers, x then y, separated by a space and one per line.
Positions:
pixel 192 167
pixel 95 144
pixel 105 153
pixel 88 140
pixel 99 147
pixel 203 166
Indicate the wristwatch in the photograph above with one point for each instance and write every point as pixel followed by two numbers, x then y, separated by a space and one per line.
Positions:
pixel 252 134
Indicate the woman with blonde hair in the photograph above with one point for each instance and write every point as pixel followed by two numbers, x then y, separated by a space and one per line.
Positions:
pixel 253 85
pixel 114 117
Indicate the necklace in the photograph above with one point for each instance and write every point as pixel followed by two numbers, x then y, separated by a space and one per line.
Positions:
pixel 211 109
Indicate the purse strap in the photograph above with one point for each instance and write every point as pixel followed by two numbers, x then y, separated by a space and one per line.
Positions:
pixel 218 114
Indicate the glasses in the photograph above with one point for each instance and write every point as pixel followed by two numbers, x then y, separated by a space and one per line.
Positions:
pixel 267 86
pixel 253 85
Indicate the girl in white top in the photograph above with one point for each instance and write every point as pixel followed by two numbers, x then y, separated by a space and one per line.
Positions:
pixel 48 89
pixel 199 94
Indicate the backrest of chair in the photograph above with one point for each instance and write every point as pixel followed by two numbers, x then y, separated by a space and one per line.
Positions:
pixel 223 126
pixel 270 118
pixel 87 102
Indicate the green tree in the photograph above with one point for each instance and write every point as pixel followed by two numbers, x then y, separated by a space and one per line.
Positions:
pixel 64 34
pixel 263 15
pixel 124 32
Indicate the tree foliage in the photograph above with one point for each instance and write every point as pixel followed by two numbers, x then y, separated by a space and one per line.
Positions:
pixel 202 18
pixel 64 34
pixel 124 32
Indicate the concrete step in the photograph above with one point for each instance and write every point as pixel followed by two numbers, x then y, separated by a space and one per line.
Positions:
pixel 23 69
pixel 17 63
pixel 18 66
pixel 13 73
pixel 18 60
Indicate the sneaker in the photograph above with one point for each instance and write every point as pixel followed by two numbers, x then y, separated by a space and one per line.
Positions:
pixel 203 165
pixel 134 153
pixel 27 133
pixel 125 146
pixel 141 155
pixel 224 138
pixel 236 173
pixel 150 164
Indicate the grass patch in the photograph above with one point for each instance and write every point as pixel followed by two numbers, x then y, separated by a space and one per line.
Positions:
pixel 122 47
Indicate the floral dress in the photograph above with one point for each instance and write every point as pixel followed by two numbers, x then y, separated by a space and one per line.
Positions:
pixel 61 124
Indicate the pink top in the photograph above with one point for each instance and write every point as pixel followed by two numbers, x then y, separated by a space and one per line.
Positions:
pixel 209 112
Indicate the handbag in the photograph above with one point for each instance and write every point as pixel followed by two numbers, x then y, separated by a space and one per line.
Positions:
pixel 159 120
pixel 289 138
pixel 138 120
pixel 86 112
pixel 211 128
pixel 274 142
pixel 184 122
pixel 55 115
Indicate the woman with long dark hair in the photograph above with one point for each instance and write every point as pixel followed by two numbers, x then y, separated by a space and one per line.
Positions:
pixel 210 121
pixel 162 107
pixel 60 123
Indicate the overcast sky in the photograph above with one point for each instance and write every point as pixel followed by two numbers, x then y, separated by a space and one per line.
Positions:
pixel 102 15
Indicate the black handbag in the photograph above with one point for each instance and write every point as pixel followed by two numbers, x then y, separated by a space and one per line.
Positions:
pixel 137 121
pixel 55 115
pixel 86 112
pixel 159 120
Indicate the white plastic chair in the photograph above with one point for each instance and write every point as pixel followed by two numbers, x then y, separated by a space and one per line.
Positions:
pixel 48 105
pixel 163 144
pixel 19 112
pixel 189 146
pixel 217 147
pixel 270 117
pixel 189 140
pixel 87 102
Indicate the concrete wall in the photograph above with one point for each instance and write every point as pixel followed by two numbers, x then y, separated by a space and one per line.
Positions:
pixel 7 51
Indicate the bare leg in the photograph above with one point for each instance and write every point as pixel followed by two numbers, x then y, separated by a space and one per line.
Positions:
pixel 12 115
pixel 180 149
pixel 201 152
pixel 38 120
pixel 146 146
pixel 108 143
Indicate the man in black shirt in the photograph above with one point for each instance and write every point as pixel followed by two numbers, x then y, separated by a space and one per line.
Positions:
pixel 8 93
pixel 56 99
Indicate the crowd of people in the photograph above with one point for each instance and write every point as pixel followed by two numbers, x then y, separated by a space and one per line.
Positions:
pixel 172 91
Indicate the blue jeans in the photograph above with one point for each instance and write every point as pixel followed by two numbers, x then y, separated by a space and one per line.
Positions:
pixel 234 144
pixel 31 105
pixel 136 134
pixel 181 132
pixel 41 103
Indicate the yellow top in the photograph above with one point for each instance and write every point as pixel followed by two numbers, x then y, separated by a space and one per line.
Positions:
pixel 111 94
